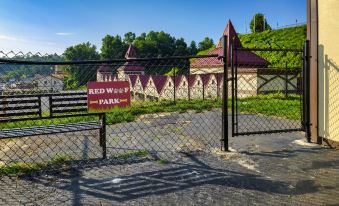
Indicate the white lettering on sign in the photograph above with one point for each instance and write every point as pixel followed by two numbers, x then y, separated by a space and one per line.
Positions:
pixel 96 91
pixel 109 91
pixel 109 101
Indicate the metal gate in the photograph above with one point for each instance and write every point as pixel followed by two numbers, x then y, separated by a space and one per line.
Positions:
pixel 269 88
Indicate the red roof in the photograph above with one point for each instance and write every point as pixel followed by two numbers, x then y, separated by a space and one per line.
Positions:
pixel 133 79
pixel 243 57
pixel 219 77
pixel 144 79
pixel 205 78
pixel 159 82
pixel 177 80
pixel 104 68
pixel 191 79
pixel 131 67
pixel 131 52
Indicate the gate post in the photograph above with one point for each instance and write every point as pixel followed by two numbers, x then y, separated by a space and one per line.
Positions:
pixel 225 95
pixel 306 90
pixel 233 78
pixel 103 135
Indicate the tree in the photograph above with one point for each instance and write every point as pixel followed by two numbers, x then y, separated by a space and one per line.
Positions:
pixel 80 74
pixel 155 44
pixel 193 50
pixel 260 23
pixel 129 38
pixel 113 47
pixel 181 47
pixel 205 44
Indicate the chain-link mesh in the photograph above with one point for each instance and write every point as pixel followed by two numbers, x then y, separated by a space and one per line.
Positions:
pixel 267 90
pixel 47 133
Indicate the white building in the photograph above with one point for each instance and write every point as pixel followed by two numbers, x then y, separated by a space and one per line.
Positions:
pixel 50 83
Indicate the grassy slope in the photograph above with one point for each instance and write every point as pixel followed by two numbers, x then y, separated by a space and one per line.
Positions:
pixel 284 38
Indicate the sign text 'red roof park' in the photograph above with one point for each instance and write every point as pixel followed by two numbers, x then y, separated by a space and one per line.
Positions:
pixel 104 96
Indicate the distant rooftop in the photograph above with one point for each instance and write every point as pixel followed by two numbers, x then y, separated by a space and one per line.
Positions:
pixel 243 57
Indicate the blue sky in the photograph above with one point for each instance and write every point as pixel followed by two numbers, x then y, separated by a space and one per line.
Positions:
pixel 53 25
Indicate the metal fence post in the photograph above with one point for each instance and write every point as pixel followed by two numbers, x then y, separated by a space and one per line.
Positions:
pixel 306 91
pixel 286 81
pixel 174 80
pixel 225 96
pixel 103 135
pixel 232 88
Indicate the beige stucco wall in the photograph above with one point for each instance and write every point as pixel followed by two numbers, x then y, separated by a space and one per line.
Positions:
pixel 328 58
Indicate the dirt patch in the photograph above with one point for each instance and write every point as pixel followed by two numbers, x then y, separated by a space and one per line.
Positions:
pixel 241 159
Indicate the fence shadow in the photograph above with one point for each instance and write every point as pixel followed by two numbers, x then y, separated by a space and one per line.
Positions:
pixel 170 178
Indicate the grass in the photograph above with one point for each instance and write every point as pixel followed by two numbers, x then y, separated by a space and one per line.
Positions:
pixel 293 37
pixel 276 105
pixel 162 162
pixel 270 104
pixel 29 167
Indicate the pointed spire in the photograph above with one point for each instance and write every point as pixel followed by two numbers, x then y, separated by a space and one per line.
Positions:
pixel 131 52
pixel 231 34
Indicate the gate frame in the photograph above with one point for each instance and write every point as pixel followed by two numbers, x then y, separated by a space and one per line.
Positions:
pixel 305 119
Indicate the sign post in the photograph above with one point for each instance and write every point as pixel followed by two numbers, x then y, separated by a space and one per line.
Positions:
pixel 106 96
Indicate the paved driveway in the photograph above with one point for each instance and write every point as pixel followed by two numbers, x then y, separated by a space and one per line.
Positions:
pixel 279 169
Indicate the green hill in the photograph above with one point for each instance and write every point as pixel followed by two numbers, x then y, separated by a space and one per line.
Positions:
pixel 293 37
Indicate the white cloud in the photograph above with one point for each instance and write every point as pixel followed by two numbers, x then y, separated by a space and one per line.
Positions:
pixel 11 38
pixel 63 33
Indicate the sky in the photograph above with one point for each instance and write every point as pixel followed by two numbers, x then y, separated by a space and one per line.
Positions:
pixel 50 26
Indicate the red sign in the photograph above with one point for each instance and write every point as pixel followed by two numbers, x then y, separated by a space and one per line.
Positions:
pixel 105 96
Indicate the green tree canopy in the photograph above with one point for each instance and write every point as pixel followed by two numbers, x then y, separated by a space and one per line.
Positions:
pixel 113 47
pixel 205 44
pixel 193 50
pixel 181 47
pixel 260 23
pixel 155 43
pixel 129 38
pixel 80 74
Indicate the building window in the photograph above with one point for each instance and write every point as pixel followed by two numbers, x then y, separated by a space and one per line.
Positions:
pixel 184 84
pixel 198 83
pixel 213 82
pixel 169 84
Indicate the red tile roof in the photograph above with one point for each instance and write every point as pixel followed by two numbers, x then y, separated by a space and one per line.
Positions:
pixel 243 58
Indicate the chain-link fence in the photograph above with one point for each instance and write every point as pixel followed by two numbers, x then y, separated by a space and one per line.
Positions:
pixel 267 90
pixel 45 123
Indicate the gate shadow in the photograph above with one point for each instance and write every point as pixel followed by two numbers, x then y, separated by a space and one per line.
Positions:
pixel 174 178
